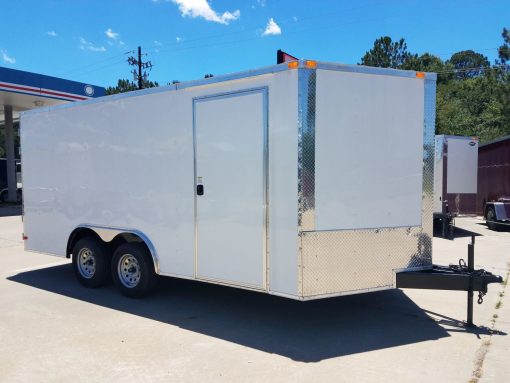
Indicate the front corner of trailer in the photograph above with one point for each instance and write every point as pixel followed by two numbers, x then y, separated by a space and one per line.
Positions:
pixel 366 179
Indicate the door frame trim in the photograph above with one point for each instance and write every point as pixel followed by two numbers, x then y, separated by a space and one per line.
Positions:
pixel 264 91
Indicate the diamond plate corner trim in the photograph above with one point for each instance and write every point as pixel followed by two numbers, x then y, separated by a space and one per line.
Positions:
pixel 306 149
pixel 428 166
pixel 306 159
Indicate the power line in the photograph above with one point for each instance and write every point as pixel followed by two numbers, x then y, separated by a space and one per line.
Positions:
pixel 78 69
pixel 479 68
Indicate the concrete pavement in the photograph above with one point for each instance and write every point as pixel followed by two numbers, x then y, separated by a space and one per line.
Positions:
pixel 54 330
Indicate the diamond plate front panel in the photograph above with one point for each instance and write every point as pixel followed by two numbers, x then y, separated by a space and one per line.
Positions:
pixel 349 260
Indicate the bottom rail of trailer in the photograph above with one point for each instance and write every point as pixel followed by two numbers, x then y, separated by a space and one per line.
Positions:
pixel 460 277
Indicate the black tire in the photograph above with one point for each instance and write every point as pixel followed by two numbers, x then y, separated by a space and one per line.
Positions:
pixel 133 270
pixel 3 195
pixel 491 218
pixel 94 271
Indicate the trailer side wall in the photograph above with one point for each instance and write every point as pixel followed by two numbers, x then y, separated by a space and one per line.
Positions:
pixel 127 162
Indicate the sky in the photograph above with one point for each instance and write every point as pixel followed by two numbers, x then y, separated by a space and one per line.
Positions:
pixel 90 40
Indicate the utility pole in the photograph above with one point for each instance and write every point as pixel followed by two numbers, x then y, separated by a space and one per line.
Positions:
pixel 137 74
pixel 140 82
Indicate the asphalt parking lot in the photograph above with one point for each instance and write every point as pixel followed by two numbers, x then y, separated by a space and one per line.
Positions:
pixel 54 330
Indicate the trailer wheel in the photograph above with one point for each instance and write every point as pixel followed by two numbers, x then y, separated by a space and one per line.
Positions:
pixel 3 195
pixel 491 218
pixel 133 270
pixel 90 262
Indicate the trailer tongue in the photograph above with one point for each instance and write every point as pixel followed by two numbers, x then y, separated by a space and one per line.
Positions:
pixel 459 277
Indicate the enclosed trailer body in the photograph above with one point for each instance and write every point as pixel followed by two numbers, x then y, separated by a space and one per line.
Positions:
pixel 304 179
pixel 455 174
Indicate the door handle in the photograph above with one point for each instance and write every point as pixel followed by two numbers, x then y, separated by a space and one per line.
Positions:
pixel 200 189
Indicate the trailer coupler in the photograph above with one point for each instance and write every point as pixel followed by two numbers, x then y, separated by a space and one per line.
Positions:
pixel 460 277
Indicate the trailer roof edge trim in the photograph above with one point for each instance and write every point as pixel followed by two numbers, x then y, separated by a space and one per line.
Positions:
pixel 468 138
pixel 374 70
pixel 239 75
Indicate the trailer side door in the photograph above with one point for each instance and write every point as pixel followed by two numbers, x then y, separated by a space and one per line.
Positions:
pixel 230 133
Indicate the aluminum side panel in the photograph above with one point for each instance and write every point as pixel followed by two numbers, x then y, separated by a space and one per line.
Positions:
pixel 125 163
pixel 369 151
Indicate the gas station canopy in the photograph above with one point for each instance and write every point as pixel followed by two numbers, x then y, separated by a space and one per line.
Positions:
pixel 25 90
pixel 20 91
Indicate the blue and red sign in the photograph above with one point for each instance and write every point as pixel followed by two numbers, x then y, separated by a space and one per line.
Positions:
pixel 16 81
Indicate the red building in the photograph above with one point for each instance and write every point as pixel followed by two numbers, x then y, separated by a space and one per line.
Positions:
pixel 493 172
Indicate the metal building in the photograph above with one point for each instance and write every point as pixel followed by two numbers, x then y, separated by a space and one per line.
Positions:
pixel 493 172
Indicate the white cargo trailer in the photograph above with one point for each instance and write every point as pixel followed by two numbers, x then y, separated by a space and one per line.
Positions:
pixel 455 173
pixel 455 178
pixel 303 180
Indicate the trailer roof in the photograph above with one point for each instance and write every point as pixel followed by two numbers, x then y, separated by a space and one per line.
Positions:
pixel 500 139
pixel 252 73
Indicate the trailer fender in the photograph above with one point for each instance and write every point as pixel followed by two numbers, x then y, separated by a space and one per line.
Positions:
pixel 111 234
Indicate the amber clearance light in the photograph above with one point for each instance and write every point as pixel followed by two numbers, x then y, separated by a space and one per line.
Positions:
pixel 293 64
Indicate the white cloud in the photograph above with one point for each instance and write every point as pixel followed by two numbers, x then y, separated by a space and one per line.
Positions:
pixel 295 18
pixel 158 43
pixel 87 45
pixel 178 39
pixel 201 8
pixel 262 3
pixel 52 33
pixel 272 28
pixel 6 58
pixel 111 34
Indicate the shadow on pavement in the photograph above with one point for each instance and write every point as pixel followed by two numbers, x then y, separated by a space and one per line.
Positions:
pixel 7 210
pixel 303 331
pixel 499 227
pixel 457 232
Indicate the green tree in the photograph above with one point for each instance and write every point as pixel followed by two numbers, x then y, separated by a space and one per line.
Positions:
pixel 128 86
pixel 429 63
pixel 504 50
pixel 473 98
pixel 471 107
pixel 469 64
pixel 387 53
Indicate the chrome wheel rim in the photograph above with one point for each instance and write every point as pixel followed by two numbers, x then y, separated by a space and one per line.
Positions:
pixel 490 215
pixel 128 270
pixel 86 263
